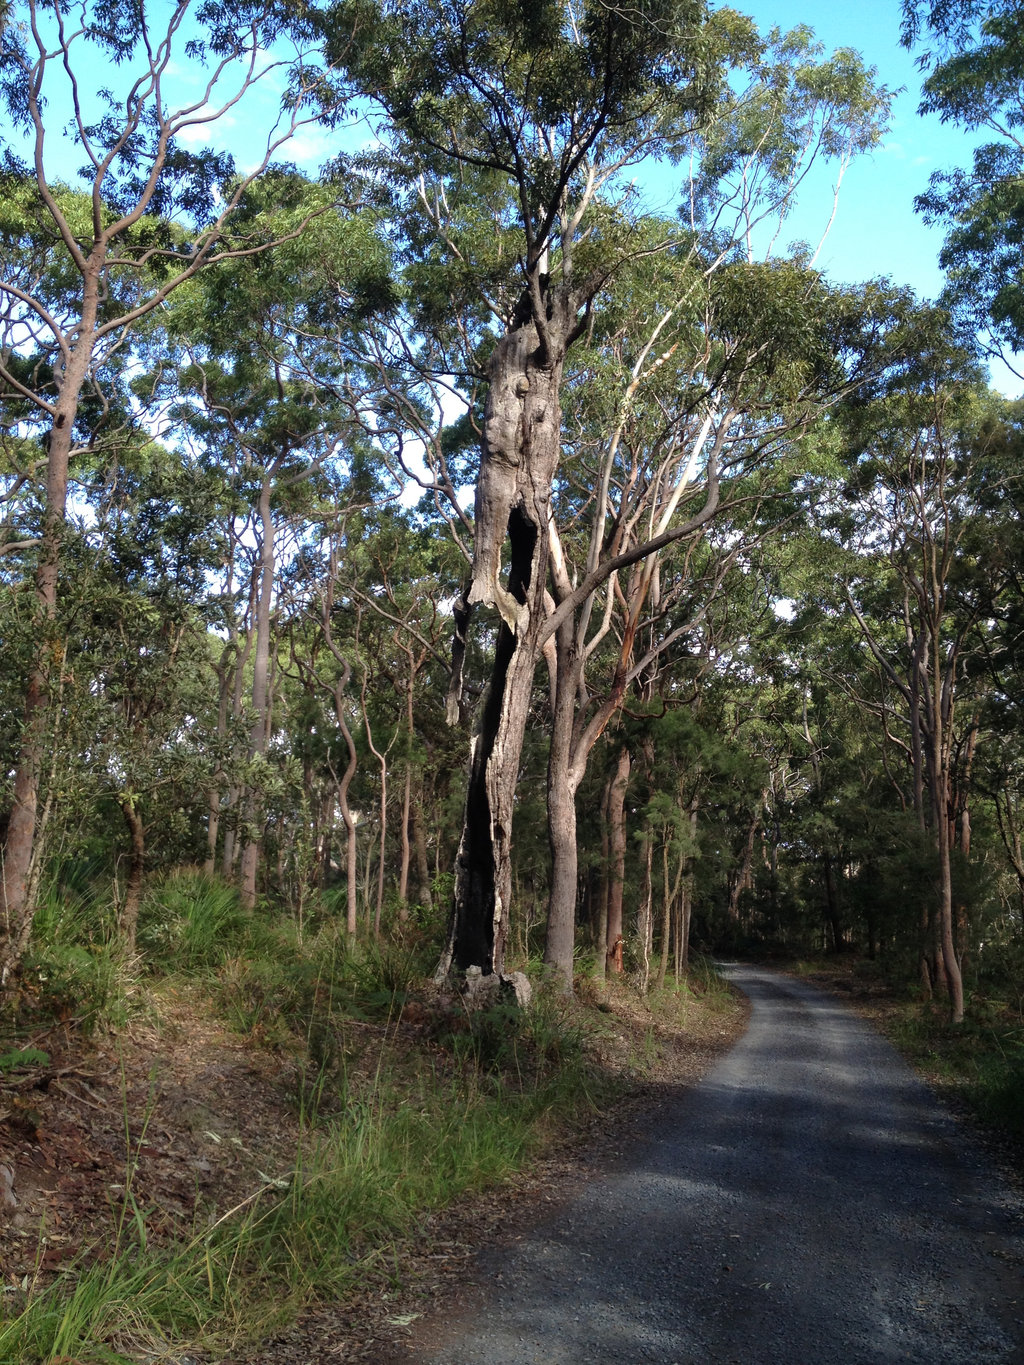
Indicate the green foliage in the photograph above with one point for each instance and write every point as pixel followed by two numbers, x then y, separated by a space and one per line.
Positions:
pixel 190 921
pixel 972 54
pixel 996 1091
pixel 17 1058
pixel 89 988
pixel 359 1185
pixel 981 1060
pixel 382 975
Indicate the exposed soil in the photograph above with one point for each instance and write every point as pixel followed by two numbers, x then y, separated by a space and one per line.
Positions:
pixel 183 1120
pixel 186 1115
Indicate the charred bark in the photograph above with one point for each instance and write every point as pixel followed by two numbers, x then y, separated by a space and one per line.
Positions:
pixel 519 455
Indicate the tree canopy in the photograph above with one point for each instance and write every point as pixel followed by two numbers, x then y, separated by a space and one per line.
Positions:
pixel 309 488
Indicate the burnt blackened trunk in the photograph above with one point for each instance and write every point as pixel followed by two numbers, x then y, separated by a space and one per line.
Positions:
pixel 519 455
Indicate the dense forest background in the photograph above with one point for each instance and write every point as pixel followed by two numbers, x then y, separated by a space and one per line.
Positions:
pixel 452 547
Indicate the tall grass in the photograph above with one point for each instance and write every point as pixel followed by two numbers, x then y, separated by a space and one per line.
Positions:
pixel 191 921
pixel 980 1060
pixel 75 971
pixel 390 1129
pixel 357 1188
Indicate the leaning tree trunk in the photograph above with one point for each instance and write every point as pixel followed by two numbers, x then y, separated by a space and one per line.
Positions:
pixel 519 455
pixel 15 902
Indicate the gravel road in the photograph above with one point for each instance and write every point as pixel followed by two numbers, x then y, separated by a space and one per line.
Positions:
pixel 807 1204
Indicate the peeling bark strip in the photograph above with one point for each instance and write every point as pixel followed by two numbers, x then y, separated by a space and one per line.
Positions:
pixel 520 449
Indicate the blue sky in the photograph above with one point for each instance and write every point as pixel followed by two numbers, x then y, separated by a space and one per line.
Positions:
pixel 876 231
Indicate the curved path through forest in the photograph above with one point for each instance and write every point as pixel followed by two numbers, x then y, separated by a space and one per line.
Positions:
pixel 808 1203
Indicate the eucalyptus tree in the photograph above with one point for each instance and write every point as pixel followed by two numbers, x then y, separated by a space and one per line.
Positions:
pixel 399 576
pixel 971 52
pixel 131 706
pixel 510 130
pixel 139 660
pixel 262 384
pixel 915 581
pixel 707 428
pixel 143 216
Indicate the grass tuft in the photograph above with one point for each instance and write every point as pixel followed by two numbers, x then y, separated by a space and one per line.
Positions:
pixel 401 1144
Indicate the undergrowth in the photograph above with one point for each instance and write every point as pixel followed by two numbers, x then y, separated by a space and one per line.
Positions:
pixel 980 1060
pixel 358 1186
pixel 405 1101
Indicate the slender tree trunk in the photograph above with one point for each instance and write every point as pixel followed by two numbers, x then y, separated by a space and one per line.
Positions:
pixel 941 720
pixel 260 692
pixel 367 898
pixel 686 895
pixel 666 920
pixel 670 897
pixel 645 918
pixel 406 847
pixel 601 935
pixel 16 908
pixel 214 797
pixel 418 834
pixel 233 799
pixel 742 880
pixel 927 960
pixel 128 919
pixel 345 781
pixel 617 860
pixel 561 812
pixel 947 948
pixel 212 831
pixel 685 916
pixel 382 761
pixel 831 904
pixel 327 850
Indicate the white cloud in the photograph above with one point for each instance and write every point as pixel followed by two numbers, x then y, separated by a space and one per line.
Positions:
pixel 198 134
pixel 308 147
